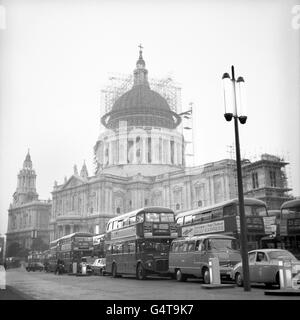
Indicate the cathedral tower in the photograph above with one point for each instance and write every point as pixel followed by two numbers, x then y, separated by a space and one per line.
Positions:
pixel 26 187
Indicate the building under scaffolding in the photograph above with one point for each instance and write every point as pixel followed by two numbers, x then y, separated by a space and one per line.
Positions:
pixel 120 83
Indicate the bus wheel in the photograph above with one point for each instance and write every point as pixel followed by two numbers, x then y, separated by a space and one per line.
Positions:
pixel 238 279
pixel 206 277
pixel 140 272
pixel 114 271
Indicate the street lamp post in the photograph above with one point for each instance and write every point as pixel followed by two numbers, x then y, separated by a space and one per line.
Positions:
pixel 232 100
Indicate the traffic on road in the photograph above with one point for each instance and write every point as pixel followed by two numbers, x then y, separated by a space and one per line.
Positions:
pixel 154 242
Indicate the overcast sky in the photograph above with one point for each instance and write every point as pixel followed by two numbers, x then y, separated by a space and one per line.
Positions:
pixel 55 56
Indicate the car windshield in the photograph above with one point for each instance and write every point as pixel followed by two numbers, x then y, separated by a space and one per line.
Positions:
pixel 285 255
pixel 222 244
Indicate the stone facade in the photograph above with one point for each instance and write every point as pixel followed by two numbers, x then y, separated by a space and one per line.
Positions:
pixel 266 180
pixel 28 217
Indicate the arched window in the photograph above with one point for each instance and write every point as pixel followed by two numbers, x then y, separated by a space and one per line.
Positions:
pixel 199 203
pixel 177 206
pixel 118 210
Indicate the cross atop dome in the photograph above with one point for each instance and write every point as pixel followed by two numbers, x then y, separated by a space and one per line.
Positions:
pixel 141 52
pixel 140 64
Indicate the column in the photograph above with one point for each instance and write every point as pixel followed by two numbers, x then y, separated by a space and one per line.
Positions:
pixel 144 150
pixel 110 153
pixel 134 151
pixel 175 153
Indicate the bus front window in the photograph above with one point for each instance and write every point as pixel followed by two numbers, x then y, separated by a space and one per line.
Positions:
pixel 152 217
pixel 167 217
pixel 154 246
pixel 255 211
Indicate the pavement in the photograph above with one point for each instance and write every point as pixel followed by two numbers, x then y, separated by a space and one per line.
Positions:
pixel 47 286
pixel 11 293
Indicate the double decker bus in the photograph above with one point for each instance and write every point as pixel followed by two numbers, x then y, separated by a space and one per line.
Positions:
pixel 224 218
pixel 288 229
pixel 99 245
pixel 138 242
pixel 72 247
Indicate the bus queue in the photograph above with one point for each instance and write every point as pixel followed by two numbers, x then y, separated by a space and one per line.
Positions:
pixel 154 240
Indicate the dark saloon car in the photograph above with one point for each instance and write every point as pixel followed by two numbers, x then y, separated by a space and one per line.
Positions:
pixel 35 266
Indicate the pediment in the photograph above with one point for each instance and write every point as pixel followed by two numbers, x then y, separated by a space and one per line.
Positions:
pixel 74 181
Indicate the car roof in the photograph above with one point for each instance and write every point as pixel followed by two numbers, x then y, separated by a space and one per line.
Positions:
pixel 206 236
pixel 268 250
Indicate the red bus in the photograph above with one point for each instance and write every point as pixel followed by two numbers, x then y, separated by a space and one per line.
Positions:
pixel 224 218
pixel 287 234
pixel 138 242
pixel 72 247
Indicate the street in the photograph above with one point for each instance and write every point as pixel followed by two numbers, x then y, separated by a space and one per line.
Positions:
pixel 47 286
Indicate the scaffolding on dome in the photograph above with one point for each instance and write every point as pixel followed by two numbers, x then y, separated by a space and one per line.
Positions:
pixel 120 83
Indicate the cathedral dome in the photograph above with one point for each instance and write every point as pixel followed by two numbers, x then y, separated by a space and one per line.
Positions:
pixel 141 106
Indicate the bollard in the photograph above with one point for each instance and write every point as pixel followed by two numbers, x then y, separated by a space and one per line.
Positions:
pixel 281 277
pixel 83 269
pixel 2 278
pixel 74 267
pixel 285 274
pixel 214 271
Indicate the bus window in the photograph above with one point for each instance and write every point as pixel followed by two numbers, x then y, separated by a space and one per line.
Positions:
pixel 166 217
pixel 191 246
pixel 120 224
pixel 256 211
pixel 131 246
pixel 217 213
pixel 140 218
pixel 132 220
pixel 230 210
pixel 180 221
pixel 126 222
pixel 115 225
pixel 185 247
pixel 180 246
pixel 118 248
pixel 152 217
pixel 197 247
pixel 175 247
pixel 206 217
pixel 188 219
pixel 125 247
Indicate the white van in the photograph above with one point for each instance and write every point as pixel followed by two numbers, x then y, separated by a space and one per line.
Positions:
pixel 189 257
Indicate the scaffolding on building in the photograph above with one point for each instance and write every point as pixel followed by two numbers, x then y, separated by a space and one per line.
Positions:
pixel 188 134
pixel 118 84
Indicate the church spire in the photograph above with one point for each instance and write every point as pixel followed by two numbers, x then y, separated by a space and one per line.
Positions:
pixel 140 73
pixel 27 164
pixel 84 173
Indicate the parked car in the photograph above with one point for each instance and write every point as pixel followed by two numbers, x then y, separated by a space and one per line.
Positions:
pixel 98 266
pixel 34 266
pixel 263 266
